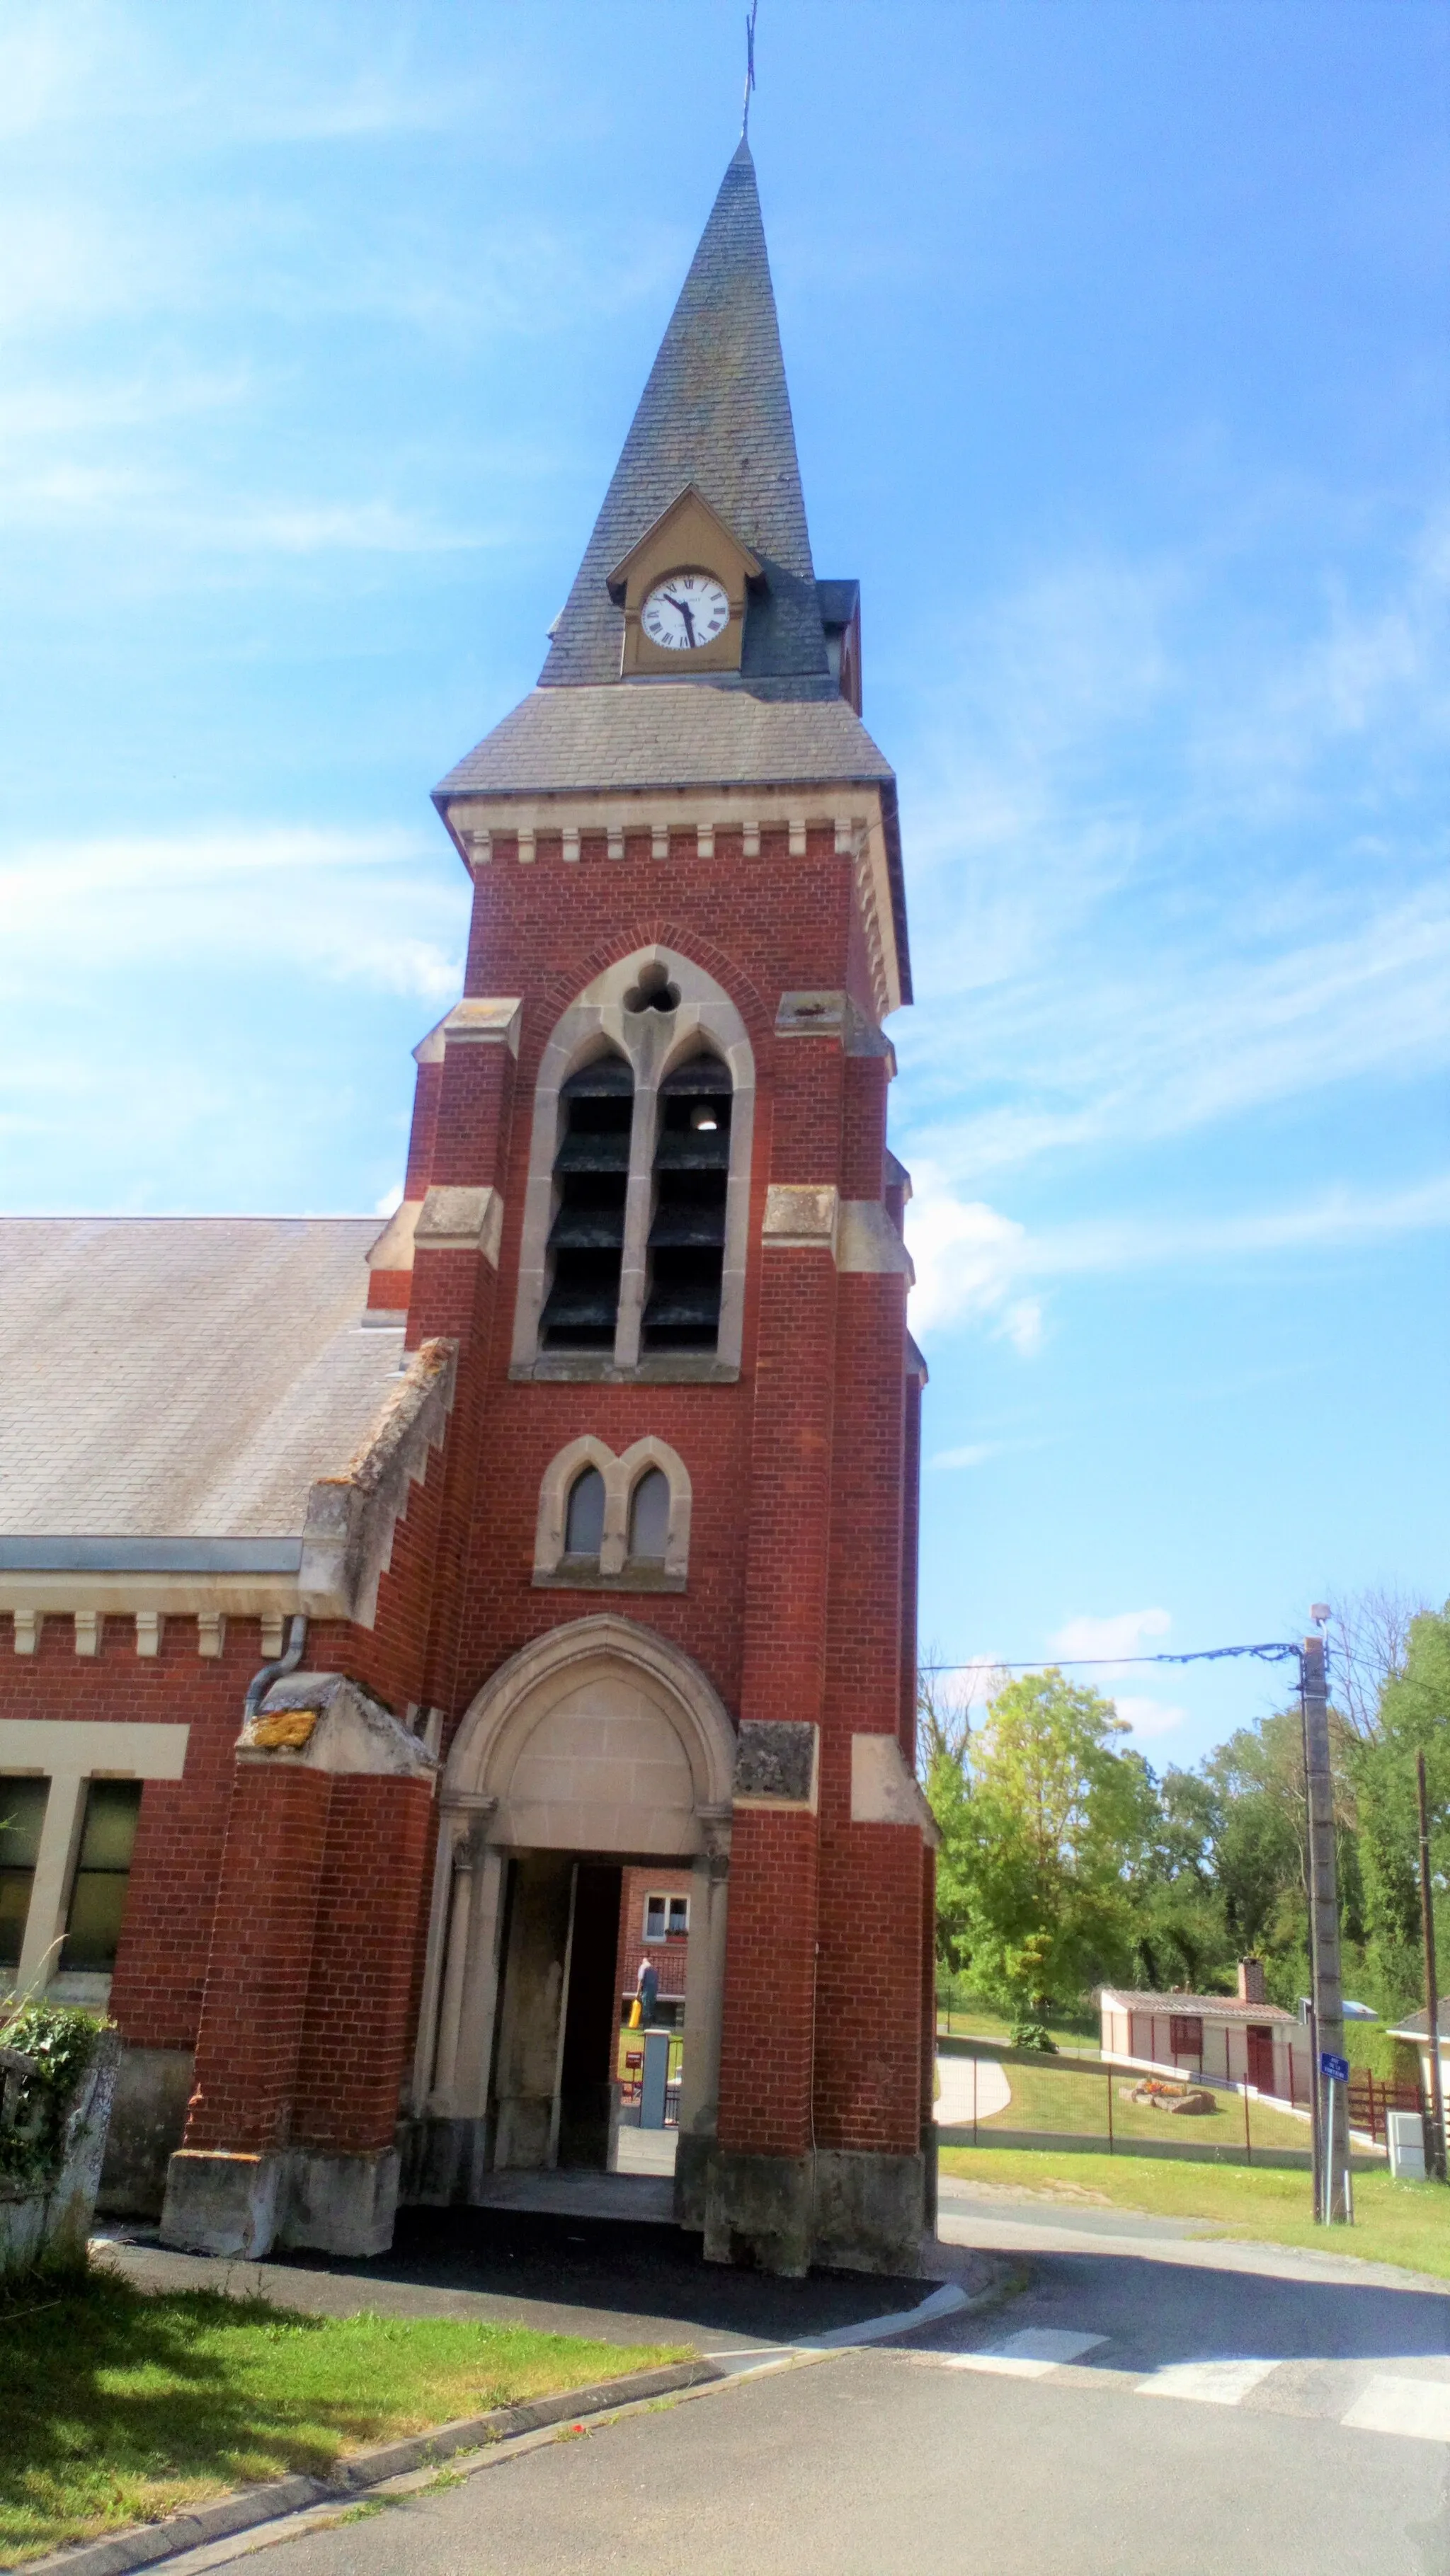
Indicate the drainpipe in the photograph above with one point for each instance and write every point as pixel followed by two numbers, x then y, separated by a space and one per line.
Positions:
pixel 261 1683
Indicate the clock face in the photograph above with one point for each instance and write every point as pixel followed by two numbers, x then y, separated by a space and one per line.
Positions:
pixel 686 610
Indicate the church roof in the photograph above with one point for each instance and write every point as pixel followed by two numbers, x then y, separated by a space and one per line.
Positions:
pixel 666 733
pixel 715 413
pixel 180 1377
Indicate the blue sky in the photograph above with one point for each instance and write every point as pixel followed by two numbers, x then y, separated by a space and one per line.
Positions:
pixel 1117 339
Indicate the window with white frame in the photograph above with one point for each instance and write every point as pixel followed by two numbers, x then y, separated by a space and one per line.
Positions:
pixel 102 1878
pixel 665 1916
pixel 70 1802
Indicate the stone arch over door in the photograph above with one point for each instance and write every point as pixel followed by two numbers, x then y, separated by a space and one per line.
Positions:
pixel 600 1737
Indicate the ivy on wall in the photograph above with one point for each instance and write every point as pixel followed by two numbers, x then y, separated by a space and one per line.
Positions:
pixel 46 2051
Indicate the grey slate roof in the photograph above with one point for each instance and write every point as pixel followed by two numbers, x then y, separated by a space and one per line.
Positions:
pixel 181 1376
pixel 666 733
pixel 716 413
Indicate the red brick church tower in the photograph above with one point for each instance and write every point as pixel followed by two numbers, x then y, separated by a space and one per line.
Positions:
pixel 621 1569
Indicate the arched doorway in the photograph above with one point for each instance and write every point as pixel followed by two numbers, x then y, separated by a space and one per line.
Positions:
pixel 597 1745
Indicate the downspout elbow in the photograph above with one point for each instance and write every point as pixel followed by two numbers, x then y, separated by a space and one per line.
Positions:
pixel 287 1662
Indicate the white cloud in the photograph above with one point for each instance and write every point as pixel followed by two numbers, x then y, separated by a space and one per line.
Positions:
pixel 1180 1045
pixel 1109 1640
pixel 973 1262
pixel 1166 875
pixel 976 1682
pixel 390 1201
pixel 966 1257
pixel 974 1453
pixel 147 506
pixel 1147 1718
pixel 378 907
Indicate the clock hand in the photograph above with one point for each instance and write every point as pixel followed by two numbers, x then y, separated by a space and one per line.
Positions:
pixel 682 609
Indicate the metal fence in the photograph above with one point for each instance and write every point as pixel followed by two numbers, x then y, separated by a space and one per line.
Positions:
pixel 1370 2100
pixel 989 2095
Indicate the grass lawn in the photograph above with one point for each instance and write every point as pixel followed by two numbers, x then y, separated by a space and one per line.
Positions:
pixel 1395 2222
pixel 120 2408
pixel 978 2021
pixel 1074 2102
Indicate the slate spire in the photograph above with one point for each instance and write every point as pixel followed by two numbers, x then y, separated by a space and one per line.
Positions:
pixel 716 413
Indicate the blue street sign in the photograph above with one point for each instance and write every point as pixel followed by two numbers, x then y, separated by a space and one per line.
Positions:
pixel 1336 2068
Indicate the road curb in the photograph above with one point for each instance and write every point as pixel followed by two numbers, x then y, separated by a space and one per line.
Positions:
pixel 149 2544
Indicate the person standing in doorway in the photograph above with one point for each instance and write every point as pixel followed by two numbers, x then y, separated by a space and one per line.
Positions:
pixel 646 1994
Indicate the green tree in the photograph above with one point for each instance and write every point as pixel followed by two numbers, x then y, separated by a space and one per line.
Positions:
pixel 1182 1937
pixel 1412 1715
pixel 1044 1826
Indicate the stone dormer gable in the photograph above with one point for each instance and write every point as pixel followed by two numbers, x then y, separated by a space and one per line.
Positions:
pixel 687 537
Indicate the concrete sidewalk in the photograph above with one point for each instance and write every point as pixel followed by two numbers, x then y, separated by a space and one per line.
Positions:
pixel 619 2281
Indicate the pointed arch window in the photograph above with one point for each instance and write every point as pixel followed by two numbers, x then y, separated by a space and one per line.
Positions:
pixel 611 1522
pixel 633 1248
pixel 687 1232
pixel 584 1521
pixel 586 1239
pixel 649 1518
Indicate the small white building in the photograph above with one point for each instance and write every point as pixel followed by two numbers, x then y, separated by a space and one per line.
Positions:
pixel 1416 2028
pixel 1231 2039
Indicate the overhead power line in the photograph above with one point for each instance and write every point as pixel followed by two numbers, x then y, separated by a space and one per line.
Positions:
pixel 1276 1652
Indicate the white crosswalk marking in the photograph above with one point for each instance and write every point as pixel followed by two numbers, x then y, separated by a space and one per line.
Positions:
pixel 1418 2407
pixel 1029 2355
pixel 1208 2383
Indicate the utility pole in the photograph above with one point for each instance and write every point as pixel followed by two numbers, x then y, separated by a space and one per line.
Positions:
pixel 1331 2168
pixel 1432 1990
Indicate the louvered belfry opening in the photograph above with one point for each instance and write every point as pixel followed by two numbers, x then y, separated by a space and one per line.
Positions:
pixel 591 1171
pixel 687 1236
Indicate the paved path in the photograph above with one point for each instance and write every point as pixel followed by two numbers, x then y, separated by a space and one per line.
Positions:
pixel 625 2283
pixel 971 2087
pixel 1140 2404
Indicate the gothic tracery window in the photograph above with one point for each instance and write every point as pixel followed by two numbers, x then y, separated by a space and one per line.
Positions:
pixel 633 1250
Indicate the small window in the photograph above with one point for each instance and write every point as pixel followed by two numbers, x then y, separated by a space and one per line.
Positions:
pixel 1185 2035
pixel 584 1524
pixel 687 1235
pixel 22 1813
pixel 664 1915
pixel 103 1875
pixel 649 1518
pixel 591 1177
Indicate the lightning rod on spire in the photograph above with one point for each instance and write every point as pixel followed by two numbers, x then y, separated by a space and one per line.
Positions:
pixel 749 69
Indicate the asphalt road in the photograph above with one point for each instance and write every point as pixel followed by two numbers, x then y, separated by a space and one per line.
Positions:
pixel 1174 2408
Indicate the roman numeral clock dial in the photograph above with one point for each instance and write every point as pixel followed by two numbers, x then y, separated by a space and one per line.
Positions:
pixel 686 610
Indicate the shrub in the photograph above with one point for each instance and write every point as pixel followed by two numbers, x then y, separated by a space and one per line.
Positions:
pixel 1034 2034
pixel 46 2051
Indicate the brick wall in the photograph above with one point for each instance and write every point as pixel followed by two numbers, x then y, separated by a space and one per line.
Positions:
pixel 310 1898
pixel 667 1957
